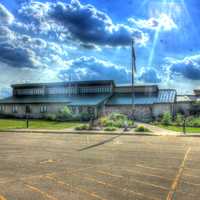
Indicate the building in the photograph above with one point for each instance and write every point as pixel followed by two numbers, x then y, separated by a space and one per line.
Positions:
pixel 185 103
pixel 95 97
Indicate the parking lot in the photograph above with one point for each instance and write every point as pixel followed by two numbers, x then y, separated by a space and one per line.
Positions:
pixel 36 166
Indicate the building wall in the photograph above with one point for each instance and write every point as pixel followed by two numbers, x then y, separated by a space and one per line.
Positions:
pixel 36 109
pixel 141 113
pixel 159 109
pixel 183 107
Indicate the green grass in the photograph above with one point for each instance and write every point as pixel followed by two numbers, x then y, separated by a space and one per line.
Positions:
pixel 35 124
pixel 180 129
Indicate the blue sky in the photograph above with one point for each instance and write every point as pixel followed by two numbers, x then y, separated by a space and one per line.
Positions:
pixel 44 41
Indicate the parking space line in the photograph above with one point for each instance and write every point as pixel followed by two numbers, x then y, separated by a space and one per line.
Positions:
pixel 186 174
pixel 189 183
pixel 92 194
pixel 103 183
pixel 154 168
pixel 178 176
pixel 109 174
pixel 147 174
pixel 2 197
pixel 134 172
pixel 115 187
pixel 143 182
pixel 45 194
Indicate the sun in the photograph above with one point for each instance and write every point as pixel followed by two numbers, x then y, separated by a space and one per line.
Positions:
pixel 167 12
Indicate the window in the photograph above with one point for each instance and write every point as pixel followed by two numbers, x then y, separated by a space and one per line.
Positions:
pixel 73 109
pixel 28 109
pixel 80 109
pixel 2 108
pixel 14 109
pixel 43 108
pixel 90 110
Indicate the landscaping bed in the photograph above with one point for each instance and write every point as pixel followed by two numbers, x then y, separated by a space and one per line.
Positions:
pixel 191 123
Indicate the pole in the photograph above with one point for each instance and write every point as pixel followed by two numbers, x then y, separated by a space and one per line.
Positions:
pixel 27 121
pixel 184 125
pixel 133 67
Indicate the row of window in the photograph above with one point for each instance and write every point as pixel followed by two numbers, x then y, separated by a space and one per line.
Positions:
pixel 35 91
pixel 84 90
pixel 64 90
pixel 43 109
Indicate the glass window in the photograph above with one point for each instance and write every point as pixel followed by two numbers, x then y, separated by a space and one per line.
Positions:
pixel 14 109
pixel 2 108
pixel 28 109
pixel 43 108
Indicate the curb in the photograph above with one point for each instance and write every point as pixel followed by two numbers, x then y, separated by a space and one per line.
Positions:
pixel 77 132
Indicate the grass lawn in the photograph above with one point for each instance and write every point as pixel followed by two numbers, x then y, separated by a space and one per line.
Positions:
pixel 180 129
pixel 35 124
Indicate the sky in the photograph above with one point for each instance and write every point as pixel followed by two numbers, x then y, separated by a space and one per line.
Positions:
pixel 70 40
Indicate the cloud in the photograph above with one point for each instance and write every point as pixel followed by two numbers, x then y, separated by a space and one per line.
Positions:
pixel 5 16
pixel 188 67
pixel 149 75
pixel 17 57
pixel 91 68
pixel 76 21
pixel 163 22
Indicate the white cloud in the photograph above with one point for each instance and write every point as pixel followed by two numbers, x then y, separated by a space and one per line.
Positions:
pixel 91 68
pixel 188 67
pixel 163 22
pixel 5 16
pixel 75 21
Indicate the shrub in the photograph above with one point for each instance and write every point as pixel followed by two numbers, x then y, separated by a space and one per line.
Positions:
pixel 166 119
pixel 179 120
pixel 193 121
pixel 82 127
pixel 84 116
pixel 104 121
pixel 64 114
pixel 115 120
pixel 118 117
pixel 142 129
pixel 110 128
pixel 50 117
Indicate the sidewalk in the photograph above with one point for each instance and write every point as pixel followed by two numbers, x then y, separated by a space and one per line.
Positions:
pixel 159 130
pixel 73 131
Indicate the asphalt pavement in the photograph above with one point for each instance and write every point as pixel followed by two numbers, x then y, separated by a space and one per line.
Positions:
pixel 44 166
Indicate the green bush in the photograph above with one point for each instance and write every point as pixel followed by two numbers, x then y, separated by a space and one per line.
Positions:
pixel 104 121
pixel 166 119
pixel 64 114
pixel 50 117
pixel 179 120
pixel 193 121
pixel 84 116
pixel 111 128
pixel 142 129
pixel 82 127
pixel 115 120
pixel 117 117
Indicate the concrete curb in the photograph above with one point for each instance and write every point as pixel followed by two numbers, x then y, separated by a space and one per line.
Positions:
pixel 78 132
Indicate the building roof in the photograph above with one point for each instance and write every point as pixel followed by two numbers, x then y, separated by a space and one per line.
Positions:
pixel 71 83
pixel 164 96
pixel 186 98
pixel 83 100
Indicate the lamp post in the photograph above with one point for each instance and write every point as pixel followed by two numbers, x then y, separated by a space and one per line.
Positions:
pixel 133 71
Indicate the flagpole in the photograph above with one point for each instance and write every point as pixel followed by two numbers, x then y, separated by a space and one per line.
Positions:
pixel 133 66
